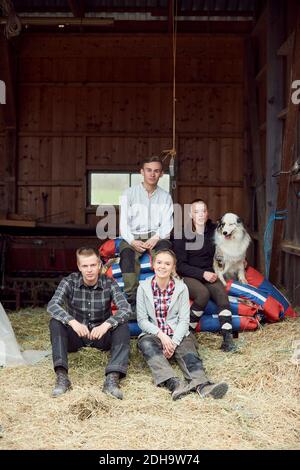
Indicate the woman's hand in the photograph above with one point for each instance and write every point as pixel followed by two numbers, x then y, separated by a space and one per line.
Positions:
pixel 168 345
pixel 210 277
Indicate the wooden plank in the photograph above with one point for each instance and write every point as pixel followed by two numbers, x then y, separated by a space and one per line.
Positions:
pixel 170 16
pixel 129 84
pixel 134 134
pixel 8 74
pixel 202 47
pixel 211 184
pixel 255 146
pixel 263 127
pixel 290 248
pixel 77 8
pixel 282 114
pixel 274 102
pixel 287 158
pixel 260 24
pixel 17 223
pixel 261 74
pixel 49 183
pixel 286 47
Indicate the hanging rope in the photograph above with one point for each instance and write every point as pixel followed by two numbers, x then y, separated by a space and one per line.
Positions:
pixel 13 24
pixel 171 153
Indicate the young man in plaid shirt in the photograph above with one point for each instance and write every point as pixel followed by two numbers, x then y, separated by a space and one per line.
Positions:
pixel 81 316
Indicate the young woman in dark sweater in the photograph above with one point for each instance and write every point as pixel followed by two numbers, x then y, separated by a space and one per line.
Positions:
pixel 195 265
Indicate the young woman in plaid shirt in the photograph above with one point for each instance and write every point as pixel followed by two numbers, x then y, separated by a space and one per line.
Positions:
pixel 163 314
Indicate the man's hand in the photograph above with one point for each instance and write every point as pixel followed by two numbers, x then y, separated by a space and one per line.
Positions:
pixel 100 330
pixel 139 246
pixel 168 345
pixel 151 243
pixel 210 277
pixel 80 329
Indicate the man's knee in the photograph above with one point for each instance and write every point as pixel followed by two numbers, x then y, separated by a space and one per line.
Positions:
pixel 123 333
pixel 148 347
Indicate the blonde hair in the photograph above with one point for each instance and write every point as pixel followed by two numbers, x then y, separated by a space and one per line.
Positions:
pixel 172 254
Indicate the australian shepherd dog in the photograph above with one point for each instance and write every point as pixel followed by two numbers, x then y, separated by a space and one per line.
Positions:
pixel 232 241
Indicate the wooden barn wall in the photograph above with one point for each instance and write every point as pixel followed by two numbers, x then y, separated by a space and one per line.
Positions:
pixel 290 255
pixel 2 195
pixel 104 102
pixel 290 273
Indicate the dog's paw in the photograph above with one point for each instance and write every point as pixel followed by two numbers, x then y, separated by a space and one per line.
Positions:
pixel 242 280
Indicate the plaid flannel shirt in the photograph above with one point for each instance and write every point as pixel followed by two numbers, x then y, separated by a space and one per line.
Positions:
pixel 162 300
pixel 90 305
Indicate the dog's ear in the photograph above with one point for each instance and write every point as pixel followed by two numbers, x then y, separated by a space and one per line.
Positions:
pixel 240 220
pixel 219 222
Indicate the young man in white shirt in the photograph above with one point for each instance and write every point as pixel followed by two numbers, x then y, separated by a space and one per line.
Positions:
pixel 146 221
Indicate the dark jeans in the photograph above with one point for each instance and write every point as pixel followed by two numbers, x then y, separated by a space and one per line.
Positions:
pixel 130 266
pixel 64 339
pixel 186 356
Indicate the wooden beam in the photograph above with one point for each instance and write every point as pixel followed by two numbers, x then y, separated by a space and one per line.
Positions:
pixel 255 146
pixel 290 248
pixel 64 183
pixel 16 223
pixel 8 74
pixel 170 16
pixel 286 47
pixel 77 8
pixel 260 23
pixel 211 184
pixel 275 35
pixel 287 157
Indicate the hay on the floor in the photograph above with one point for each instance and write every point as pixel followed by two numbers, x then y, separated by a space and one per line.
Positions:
pixel 260 411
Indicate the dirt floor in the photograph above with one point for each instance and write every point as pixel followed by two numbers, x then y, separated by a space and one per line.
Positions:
pixel 260 411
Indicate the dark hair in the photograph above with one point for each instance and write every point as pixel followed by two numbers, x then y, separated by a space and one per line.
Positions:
pixel 152 159
pixel 87 251
pixel 201 201
pixel 167 251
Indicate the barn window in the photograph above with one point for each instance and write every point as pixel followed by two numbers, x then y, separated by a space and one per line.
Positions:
pixel 106 188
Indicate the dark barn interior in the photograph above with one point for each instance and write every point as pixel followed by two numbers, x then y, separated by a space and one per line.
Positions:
pixel 88 88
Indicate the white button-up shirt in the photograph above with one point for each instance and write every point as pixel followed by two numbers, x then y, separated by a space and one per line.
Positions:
pixel 141 214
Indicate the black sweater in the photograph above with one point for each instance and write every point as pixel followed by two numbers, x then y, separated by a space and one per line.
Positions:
pixel 193 263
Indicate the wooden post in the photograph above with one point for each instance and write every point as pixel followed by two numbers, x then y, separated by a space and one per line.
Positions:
pixel 287 158
pixel 274 126
pixel 7 73
pixel 77 8
pixel 255 147
pixel 170 16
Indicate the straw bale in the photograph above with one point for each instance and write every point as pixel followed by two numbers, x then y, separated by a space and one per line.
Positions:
pixel 260 411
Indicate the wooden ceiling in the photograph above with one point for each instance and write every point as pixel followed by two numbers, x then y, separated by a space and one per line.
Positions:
pixel 136 15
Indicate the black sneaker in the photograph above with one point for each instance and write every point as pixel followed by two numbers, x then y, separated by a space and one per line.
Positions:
pixel 111 385
pixel 228 344
pixel 172 384
pixel 63 383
